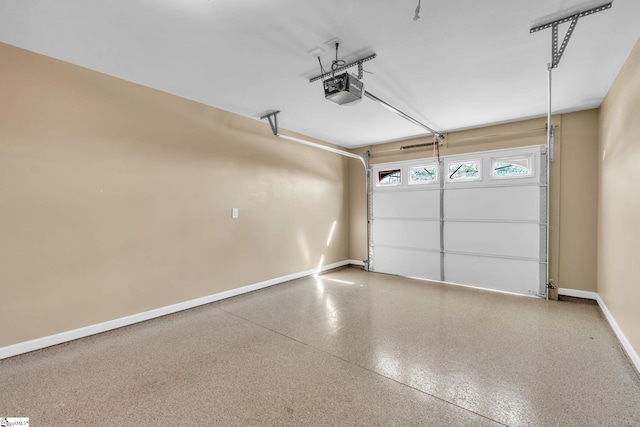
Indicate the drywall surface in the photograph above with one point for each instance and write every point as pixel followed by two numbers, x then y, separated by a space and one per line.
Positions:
pixel 579 131
pixel 116 199
pixel 357 209
pixel 579 201
pixel 619 200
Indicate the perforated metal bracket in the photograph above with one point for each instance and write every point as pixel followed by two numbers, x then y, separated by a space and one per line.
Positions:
pixel 345 67
pixel 273 121
pixel 556 53
pixel 570 17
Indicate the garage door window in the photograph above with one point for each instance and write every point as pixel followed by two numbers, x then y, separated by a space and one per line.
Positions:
pixel 464 171
pixel 390 177
pixel 426 174
pixel 512 167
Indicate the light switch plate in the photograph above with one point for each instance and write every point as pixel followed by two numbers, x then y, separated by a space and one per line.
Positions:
pixel 234 213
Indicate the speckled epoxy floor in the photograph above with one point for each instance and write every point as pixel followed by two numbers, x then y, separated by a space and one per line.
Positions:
pixel 346 348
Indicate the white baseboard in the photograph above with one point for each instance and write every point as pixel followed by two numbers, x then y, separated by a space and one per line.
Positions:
pixel 38 343
pixel 633 355
pixel 578 294
pixel 631 352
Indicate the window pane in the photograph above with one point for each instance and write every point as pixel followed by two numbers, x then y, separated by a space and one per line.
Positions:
pixel 390 177
pixel 464 171
pixel 423 174
pixel 512 167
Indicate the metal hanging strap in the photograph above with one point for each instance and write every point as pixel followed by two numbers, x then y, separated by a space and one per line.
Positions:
pixel 357 63
pixel 556 53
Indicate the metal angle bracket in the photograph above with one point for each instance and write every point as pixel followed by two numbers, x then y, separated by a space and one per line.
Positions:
pixel 273 123
pixel 556 53
pixel 344 67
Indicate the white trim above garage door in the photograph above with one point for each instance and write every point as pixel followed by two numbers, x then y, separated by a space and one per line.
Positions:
pixel 476 219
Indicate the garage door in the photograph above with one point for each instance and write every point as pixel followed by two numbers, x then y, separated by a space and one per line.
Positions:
pixel 477 219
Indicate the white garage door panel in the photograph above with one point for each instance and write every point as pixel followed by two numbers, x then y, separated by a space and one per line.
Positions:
pixel 491 229
pixel 509 275
pixel 409 234
pixel 407 262
pixel 510 239
pixel 407 204
pixel 510 203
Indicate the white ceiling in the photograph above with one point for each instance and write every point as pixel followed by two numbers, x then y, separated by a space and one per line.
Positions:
pixel 464 64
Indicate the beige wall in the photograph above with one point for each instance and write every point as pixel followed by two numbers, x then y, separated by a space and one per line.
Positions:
pixel 619 200
pixel 579 201
pixel 573 197
pixel 357 209
pixel 116 199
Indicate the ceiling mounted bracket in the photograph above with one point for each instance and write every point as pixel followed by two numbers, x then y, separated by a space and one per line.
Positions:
pixel 556 53
pixel 272 122
pixel 345 67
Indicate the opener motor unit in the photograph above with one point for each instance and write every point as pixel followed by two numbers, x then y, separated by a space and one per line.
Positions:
pixel 343 89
